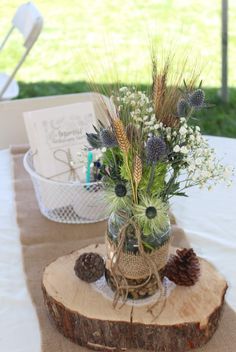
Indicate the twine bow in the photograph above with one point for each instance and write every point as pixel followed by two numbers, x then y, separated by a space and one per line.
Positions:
pixel 122 285
pixel 68 161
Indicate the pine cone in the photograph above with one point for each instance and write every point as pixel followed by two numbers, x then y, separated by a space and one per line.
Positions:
pixel 89 267
pixel 184 268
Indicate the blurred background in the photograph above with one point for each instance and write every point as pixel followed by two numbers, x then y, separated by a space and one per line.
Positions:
pixel 110 39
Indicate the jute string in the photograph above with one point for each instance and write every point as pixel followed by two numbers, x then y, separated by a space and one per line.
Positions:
pixel 146 263
pixel 64 157
pixel 73 175
pixel 133 265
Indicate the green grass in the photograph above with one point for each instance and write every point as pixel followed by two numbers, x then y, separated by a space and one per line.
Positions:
pixel 110 39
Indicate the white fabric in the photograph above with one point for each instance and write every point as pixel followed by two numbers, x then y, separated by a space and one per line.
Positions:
pixel 207 217
pixel 29 22
pixel 19 330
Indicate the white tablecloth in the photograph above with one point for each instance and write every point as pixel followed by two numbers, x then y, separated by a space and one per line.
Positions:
pixel 209 218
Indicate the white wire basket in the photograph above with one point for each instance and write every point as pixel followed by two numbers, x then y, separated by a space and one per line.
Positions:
pixel 67 202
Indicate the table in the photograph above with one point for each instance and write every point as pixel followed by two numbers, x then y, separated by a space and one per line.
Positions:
pixel 209 219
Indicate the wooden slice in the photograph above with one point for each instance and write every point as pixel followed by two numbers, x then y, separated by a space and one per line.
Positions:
pixel 86 316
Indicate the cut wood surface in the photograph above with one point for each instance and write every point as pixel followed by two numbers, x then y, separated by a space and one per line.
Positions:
pixel 83 314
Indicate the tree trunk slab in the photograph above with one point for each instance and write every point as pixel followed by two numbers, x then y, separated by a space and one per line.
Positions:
pixel 87 317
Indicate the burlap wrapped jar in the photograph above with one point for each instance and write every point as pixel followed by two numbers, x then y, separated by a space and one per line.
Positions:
pixel 134 262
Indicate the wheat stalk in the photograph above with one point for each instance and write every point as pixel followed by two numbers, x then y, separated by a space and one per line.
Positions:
pixel 121 135
pixel 166 85
pixel 170 120
pixel 137 170
pixel 124 145
pixel 159 89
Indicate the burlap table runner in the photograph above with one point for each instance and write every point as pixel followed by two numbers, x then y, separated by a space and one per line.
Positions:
pixel 43 241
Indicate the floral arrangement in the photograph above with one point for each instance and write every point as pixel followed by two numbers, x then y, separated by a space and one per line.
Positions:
pixel 152 152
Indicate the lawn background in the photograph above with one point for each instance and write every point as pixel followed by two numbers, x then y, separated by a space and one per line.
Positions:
pixel 110 39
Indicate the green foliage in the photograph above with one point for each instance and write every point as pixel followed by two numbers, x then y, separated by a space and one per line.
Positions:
pixel 158 179
pixel 172 187
pixel 180 194
pixel 147 246
pixel 124 172
pixel 94 140
pixel 112 159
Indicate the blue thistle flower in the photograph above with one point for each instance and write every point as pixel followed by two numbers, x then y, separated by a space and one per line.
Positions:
pixel 182 107
pixel 108 138
pixel 196 99
pixel 156 149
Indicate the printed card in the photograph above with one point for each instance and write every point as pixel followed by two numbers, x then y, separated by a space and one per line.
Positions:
pixel 56 135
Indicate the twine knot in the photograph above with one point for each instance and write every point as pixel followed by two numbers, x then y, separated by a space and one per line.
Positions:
pixel 65 157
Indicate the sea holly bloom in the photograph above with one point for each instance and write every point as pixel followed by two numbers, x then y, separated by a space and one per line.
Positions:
pixel 118 196
pixel 155 149
pixel 151 214
pixel 182 107
pixel 196 99
pixel 108 138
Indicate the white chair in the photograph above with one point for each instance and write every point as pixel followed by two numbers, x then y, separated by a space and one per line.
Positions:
pixel 29 22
